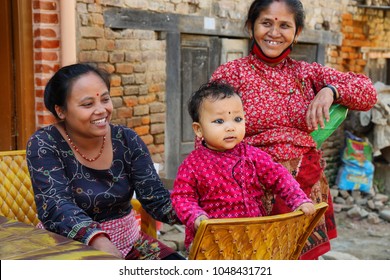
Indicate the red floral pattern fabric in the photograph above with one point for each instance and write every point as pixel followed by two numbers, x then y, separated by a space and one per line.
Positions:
pixel 276 100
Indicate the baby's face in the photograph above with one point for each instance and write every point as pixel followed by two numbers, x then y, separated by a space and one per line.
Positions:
pixel 222 123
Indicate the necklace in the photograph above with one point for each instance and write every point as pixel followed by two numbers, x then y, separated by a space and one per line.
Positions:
pixel 81 154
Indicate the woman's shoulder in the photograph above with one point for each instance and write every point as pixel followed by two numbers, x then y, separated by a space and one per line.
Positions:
pixel 236 63
pixel 120 131
pixel 126 136
pixel 304 65
pixel 48 134
pixel 232 70
pixel 46 139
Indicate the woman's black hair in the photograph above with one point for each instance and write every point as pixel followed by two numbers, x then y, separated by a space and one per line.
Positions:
pixel 60 85
pixel 258 6
pixel 214 90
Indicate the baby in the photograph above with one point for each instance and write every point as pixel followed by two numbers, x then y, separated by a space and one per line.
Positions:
pixel 225 177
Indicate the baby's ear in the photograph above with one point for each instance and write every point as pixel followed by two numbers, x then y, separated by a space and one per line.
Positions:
pixel 197 129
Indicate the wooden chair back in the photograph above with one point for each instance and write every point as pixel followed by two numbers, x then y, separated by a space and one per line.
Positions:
pixel 278 237
pixel 16 194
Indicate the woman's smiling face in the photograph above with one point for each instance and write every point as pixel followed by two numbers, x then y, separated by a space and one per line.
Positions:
pixel 89 106
pixel 275 29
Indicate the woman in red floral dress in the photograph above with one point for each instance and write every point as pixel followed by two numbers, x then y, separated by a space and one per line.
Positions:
pixel 285 100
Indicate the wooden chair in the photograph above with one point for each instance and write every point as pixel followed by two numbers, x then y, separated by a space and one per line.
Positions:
pixel 17 196
pixel 279 237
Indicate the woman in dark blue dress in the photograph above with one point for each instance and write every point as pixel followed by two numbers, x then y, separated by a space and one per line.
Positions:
pixel 85 170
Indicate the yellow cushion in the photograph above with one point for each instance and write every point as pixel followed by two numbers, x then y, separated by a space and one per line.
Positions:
pixel 16 194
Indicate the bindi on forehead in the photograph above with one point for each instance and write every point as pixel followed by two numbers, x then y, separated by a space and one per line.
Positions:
pixel 97 94
pixel 276 18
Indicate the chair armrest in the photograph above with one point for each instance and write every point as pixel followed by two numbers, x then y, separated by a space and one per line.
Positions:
pixel 148 224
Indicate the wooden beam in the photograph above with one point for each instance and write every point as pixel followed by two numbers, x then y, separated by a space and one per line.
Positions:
pixel 117 18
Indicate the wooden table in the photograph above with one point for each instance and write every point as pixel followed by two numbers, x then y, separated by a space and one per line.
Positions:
pixel 20 241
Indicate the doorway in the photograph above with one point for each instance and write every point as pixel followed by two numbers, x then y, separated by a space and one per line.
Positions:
pixel 197 56
pixel 16 74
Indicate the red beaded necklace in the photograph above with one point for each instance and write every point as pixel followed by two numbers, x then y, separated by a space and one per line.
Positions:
pixel 81 154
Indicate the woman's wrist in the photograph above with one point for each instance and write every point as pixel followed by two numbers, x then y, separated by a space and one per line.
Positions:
pixel 335 92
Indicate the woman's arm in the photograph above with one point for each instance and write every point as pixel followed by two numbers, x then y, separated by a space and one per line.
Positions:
pixel 150 190
pixel 102 242
pixel 352 90
pixel 56 206
pixel 355 91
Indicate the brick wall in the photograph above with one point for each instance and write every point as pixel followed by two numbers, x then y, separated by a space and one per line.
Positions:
pixel 137 58
pixel 46 43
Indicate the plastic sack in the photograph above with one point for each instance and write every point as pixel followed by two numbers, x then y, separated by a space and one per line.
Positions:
pixel 337 114
pixel 355 176
pixel 357 170
pixel 357 149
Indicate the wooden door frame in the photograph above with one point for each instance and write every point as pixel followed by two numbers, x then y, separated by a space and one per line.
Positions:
pixel 24 71
pixel 6 78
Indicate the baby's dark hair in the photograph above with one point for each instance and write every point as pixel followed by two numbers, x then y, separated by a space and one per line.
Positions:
pixel 213 90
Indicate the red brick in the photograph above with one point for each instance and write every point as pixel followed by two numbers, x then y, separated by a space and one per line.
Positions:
pixel 124 112
pixel 142 130
pixel 146 99
pixel 46 18
pixel 116 91
pixel 148 139
pixel 40 107
pixel 45 32
pixel 51 56
pixel 47 44
pixel 45 68
pixel 39 92
pixel 41 82
pixel 46 120
pixel 130 101
pixel 145 120
pixel 346 17
pixel 39 5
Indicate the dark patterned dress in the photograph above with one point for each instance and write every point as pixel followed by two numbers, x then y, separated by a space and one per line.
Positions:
pixel 80 202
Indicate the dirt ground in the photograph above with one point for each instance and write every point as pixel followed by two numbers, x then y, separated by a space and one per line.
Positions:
pixel 361 239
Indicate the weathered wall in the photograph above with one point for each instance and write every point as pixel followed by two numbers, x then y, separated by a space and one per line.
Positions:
pixel 137 58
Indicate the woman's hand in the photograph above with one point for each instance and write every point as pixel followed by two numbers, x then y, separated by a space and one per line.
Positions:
pixel 307 208
pixel 102 243
pixel 318 110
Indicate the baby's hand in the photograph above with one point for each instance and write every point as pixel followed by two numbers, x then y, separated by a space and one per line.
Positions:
pixel 307 208
pixel 198 220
